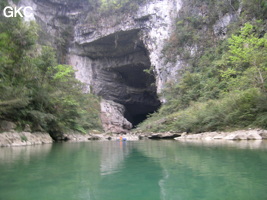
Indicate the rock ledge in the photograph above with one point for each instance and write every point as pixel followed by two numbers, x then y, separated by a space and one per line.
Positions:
pixel 8 139
pixel 253 134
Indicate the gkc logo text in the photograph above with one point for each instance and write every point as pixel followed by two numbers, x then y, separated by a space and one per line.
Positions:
pixel 17 12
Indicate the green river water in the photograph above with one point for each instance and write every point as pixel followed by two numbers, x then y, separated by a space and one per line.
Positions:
pixel 141 170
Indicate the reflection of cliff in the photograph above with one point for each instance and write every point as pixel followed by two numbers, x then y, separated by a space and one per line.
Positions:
pixel 128 173
pixel 112 155
pixel 137 179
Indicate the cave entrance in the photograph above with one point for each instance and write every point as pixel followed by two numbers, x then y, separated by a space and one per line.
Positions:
pixel 137 113
pixel 122 73
pixel 141 97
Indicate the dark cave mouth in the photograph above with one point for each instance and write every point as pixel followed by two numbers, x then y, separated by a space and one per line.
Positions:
pixel 137 113
pixel 142 98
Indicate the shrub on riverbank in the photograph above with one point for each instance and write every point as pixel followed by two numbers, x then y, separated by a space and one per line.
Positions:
pixel 237 110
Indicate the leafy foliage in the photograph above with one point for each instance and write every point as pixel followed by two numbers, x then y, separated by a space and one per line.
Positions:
pixel 35 89
pixel 244 109
pixel 248 53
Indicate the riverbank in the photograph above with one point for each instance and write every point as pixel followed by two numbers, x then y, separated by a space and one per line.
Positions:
pixel 13 138
pixel 76 137
pixel 251 134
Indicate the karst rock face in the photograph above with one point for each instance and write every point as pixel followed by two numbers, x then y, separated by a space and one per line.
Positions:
pixel 118 56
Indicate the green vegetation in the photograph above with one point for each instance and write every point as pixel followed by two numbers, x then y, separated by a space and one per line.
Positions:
pixel 36 90
pixel 224 84
pixel 235 110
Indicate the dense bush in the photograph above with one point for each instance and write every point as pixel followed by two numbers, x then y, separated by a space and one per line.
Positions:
pixel 244 109
pixel 36 90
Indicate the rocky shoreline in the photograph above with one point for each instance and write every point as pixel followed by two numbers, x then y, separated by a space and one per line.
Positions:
pixel 251 134
pixel 13 138
pixel 74 137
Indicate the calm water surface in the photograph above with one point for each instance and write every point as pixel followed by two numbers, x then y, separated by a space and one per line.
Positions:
pixel 143 170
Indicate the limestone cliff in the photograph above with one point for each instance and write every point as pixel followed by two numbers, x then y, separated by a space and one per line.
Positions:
pixel 118 56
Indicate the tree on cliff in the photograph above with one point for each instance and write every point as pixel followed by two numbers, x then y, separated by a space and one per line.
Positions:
pixel 248 56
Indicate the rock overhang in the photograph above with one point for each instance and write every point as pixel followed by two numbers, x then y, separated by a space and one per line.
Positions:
pixel 122 72
pixel 117 44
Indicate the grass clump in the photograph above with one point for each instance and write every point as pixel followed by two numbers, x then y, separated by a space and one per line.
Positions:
pixel 24 138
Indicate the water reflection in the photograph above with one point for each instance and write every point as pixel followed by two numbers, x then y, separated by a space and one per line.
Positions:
pixel 12 154
pixel 137 178
pixel 112 155
pixel 210 171
pixel 143 170
pixel 241 144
